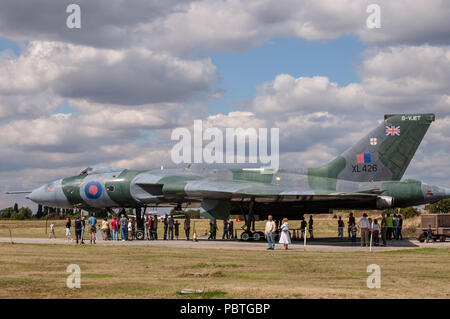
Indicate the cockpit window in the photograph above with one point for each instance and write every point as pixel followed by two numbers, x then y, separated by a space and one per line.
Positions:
pixel 86 171
pixel 99 169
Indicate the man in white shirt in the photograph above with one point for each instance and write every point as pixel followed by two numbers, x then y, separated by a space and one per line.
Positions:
pixel 270 233
pixel 364 226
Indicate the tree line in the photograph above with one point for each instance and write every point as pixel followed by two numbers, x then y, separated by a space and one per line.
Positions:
pixel 22 213
pixel 45 212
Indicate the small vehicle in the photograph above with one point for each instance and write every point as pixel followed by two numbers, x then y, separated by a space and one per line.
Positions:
pixel 440 225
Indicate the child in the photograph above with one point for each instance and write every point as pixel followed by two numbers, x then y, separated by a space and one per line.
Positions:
pixel 429 234
pixel 52 231
pixel 354 232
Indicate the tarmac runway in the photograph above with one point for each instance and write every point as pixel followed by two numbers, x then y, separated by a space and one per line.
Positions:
pixel 321 244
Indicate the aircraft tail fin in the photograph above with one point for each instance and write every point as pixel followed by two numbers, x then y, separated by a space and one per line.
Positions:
pixel 382 154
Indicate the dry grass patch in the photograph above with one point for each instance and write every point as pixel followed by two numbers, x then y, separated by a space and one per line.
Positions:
pixel 39 271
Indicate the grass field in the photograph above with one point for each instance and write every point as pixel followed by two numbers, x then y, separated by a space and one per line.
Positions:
pixel 324 226
pixel 39 271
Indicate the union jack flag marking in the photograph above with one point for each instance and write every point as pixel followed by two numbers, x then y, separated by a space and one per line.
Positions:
pixel 392 130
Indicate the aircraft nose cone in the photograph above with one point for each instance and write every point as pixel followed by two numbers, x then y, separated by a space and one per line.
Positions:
pixel 35 195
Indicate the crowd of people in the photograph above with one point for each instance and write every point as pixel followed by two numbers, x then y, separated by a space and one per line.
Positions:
pixel 228 228
pixel 389 228
pixel 124 228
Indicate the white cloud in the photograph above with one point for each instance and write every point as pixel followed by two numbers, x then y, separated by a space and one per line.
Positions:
pixel 409 78
pixel 128 77
pixel 28 106
pixel 233 25
pixel 236 25
pixel 304 94
pixel 404 79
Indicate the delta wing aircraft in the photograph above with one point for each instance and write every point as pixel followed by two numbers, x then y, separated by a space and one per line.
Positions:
pixel 366 176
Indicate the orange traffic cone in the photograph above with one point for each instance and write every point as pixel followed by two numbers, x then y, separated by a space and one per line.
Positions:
pixel 194 238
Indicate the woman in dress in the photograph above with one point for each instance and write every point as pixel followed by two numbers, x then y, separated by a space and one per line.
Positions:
pixel 285 237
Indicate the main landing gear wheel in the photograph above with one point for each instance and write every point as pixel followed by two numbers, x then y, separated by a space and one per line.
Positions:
pixel 245 236
pixel 258 236
pixel 140 235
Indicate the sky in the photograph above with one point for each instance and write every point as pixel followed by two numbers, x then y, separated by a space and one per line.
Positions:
pixel 112 91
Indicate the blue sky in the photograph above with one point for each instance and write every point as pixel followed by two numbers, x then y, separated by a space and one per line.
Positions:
pixel 6 44
pixel 242 72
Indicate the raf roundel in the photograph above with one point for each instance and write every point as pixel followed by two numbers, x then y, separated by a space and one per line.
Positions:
pixel 93 190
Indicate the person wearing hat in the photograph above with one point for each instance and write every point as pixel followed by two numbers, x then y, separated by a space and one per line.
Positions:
pixel 285 237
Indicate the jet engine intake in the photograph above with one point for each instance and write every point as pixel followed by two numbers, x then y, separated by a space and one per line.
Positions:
pixel 384 202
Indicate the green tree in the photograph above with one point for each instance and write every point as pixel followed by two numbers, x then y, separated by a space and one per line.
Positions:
pixel 16 207
pixel 409 212
pixel 441 207
pixel 23 213
pixel 6 213
pixel 406 212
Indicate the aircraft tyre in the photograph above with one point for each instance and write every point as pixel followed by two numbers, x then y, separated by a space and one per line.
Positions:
pixel 258 236
pixel 246 236
pixel 140 235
